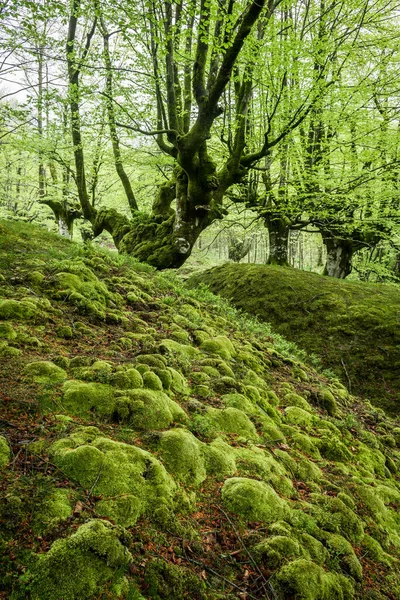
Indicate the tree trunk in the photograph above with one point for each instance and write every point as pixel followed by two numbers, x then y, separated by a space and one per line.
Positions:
pixel 278 231
pixel 339 255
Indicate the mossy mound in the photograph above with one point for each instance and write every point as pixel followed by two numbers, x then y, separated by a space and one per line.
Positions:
pixel 76 568
pixel 254 500
pixel 5 452
pixel 361 339
pixel 130 480
pixel 44 371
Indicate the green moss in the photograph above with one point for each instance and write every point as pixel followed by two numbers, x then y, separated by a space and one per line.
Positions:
pixel 304 580
pixel 166 581
pixel 253 500
pixel 306 444
pixel 335 516
pixel 276 550
pixel 85 398
pixel 317 552
pixel 17 311
pixel 151 381
pixel 182 456
pixel 149 409
pixel 375 551
pixel 56 508
pixel 7 331
pixel 183 351
pixel 219 459
pixel 44 372
pixel 6 350
pixel 221 367
pixel 78 567
pixel 298 416
pixel 232 420
pixel 341 550
pixel 165 377
pixel 240 402
pixel 292 399
pixel 126 380
pixel 326 400
pixel 179 384
pixel 332 448
pixel 64 332
pixel 130 480
pixel 219 345
pixel 5 452
pixel 152 360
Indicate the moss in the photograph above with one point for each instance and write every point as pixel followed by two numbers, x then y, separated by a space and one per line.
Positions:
pixel 332 448
pixel 304 580
pixel 375 551
pixel 130 480
pixel 44 372
pixel 100 371
pixel 240 402
pixel 253 500
pixel 327 401
pixel 166 581
pixel 151 381
pixel 7 331
pixel 223 385
pixel 64 332
pixel 256 462
pixel 233 420
pixel 165 377
pixel 314 547
pixel 182 351
pixel 152 360
pixel 82 399
pixel 17 311
pixel 341 550
pixel 253 393
pixel 149 409
pixel 276 550
pixel 182 456
pixel 219 345
pixel 5 452
pixel 306 444
pixel 306 470
pixel 77 568
pixel 219 459
pixel 335 516
pixel 56 508
pixel 216 363
pixel 6 350
pixel 298 416
pixel 179 384
pixel 292 399
pixel 126 380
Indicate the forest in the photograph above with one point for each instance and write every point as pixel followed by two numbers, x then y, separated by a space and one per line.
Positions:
pixel 153 123
pixel 199 300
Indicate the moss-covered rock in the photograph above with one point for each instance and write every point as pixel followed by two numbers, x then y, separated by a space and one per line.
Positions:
pixel 7 331
pixel 166 581
pixel 253 500
pixel 5 452
pixel 14 310
pixel 304 580
pixel 219 345
pixel 45 372
pixel 181 454
pixel 82 398
pixel 149 409
pixel 152 381
pixel 130 480
pixel 78 567
pixel 232 420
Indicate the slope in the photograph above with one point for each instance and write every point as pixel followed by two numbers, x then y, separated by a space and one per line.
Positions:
pixel 157 444
pixel 353 327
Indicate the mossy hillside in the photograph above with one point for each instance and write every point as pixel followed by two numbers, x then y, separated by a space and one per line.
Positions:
pixel 359 321
pixel 202 438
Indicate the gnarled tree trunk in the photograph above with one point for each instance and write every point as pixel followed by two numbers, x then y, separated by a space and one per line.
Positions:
pixel 339 255
pixel 278 232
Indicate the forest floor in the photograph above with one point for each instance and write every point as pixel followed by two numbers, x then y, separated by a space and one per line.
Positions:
pixel 156 443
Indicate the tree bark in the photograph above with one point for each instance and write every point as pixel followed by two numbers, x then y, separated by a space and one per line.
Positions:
pixel 339 255
pixel 278 232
